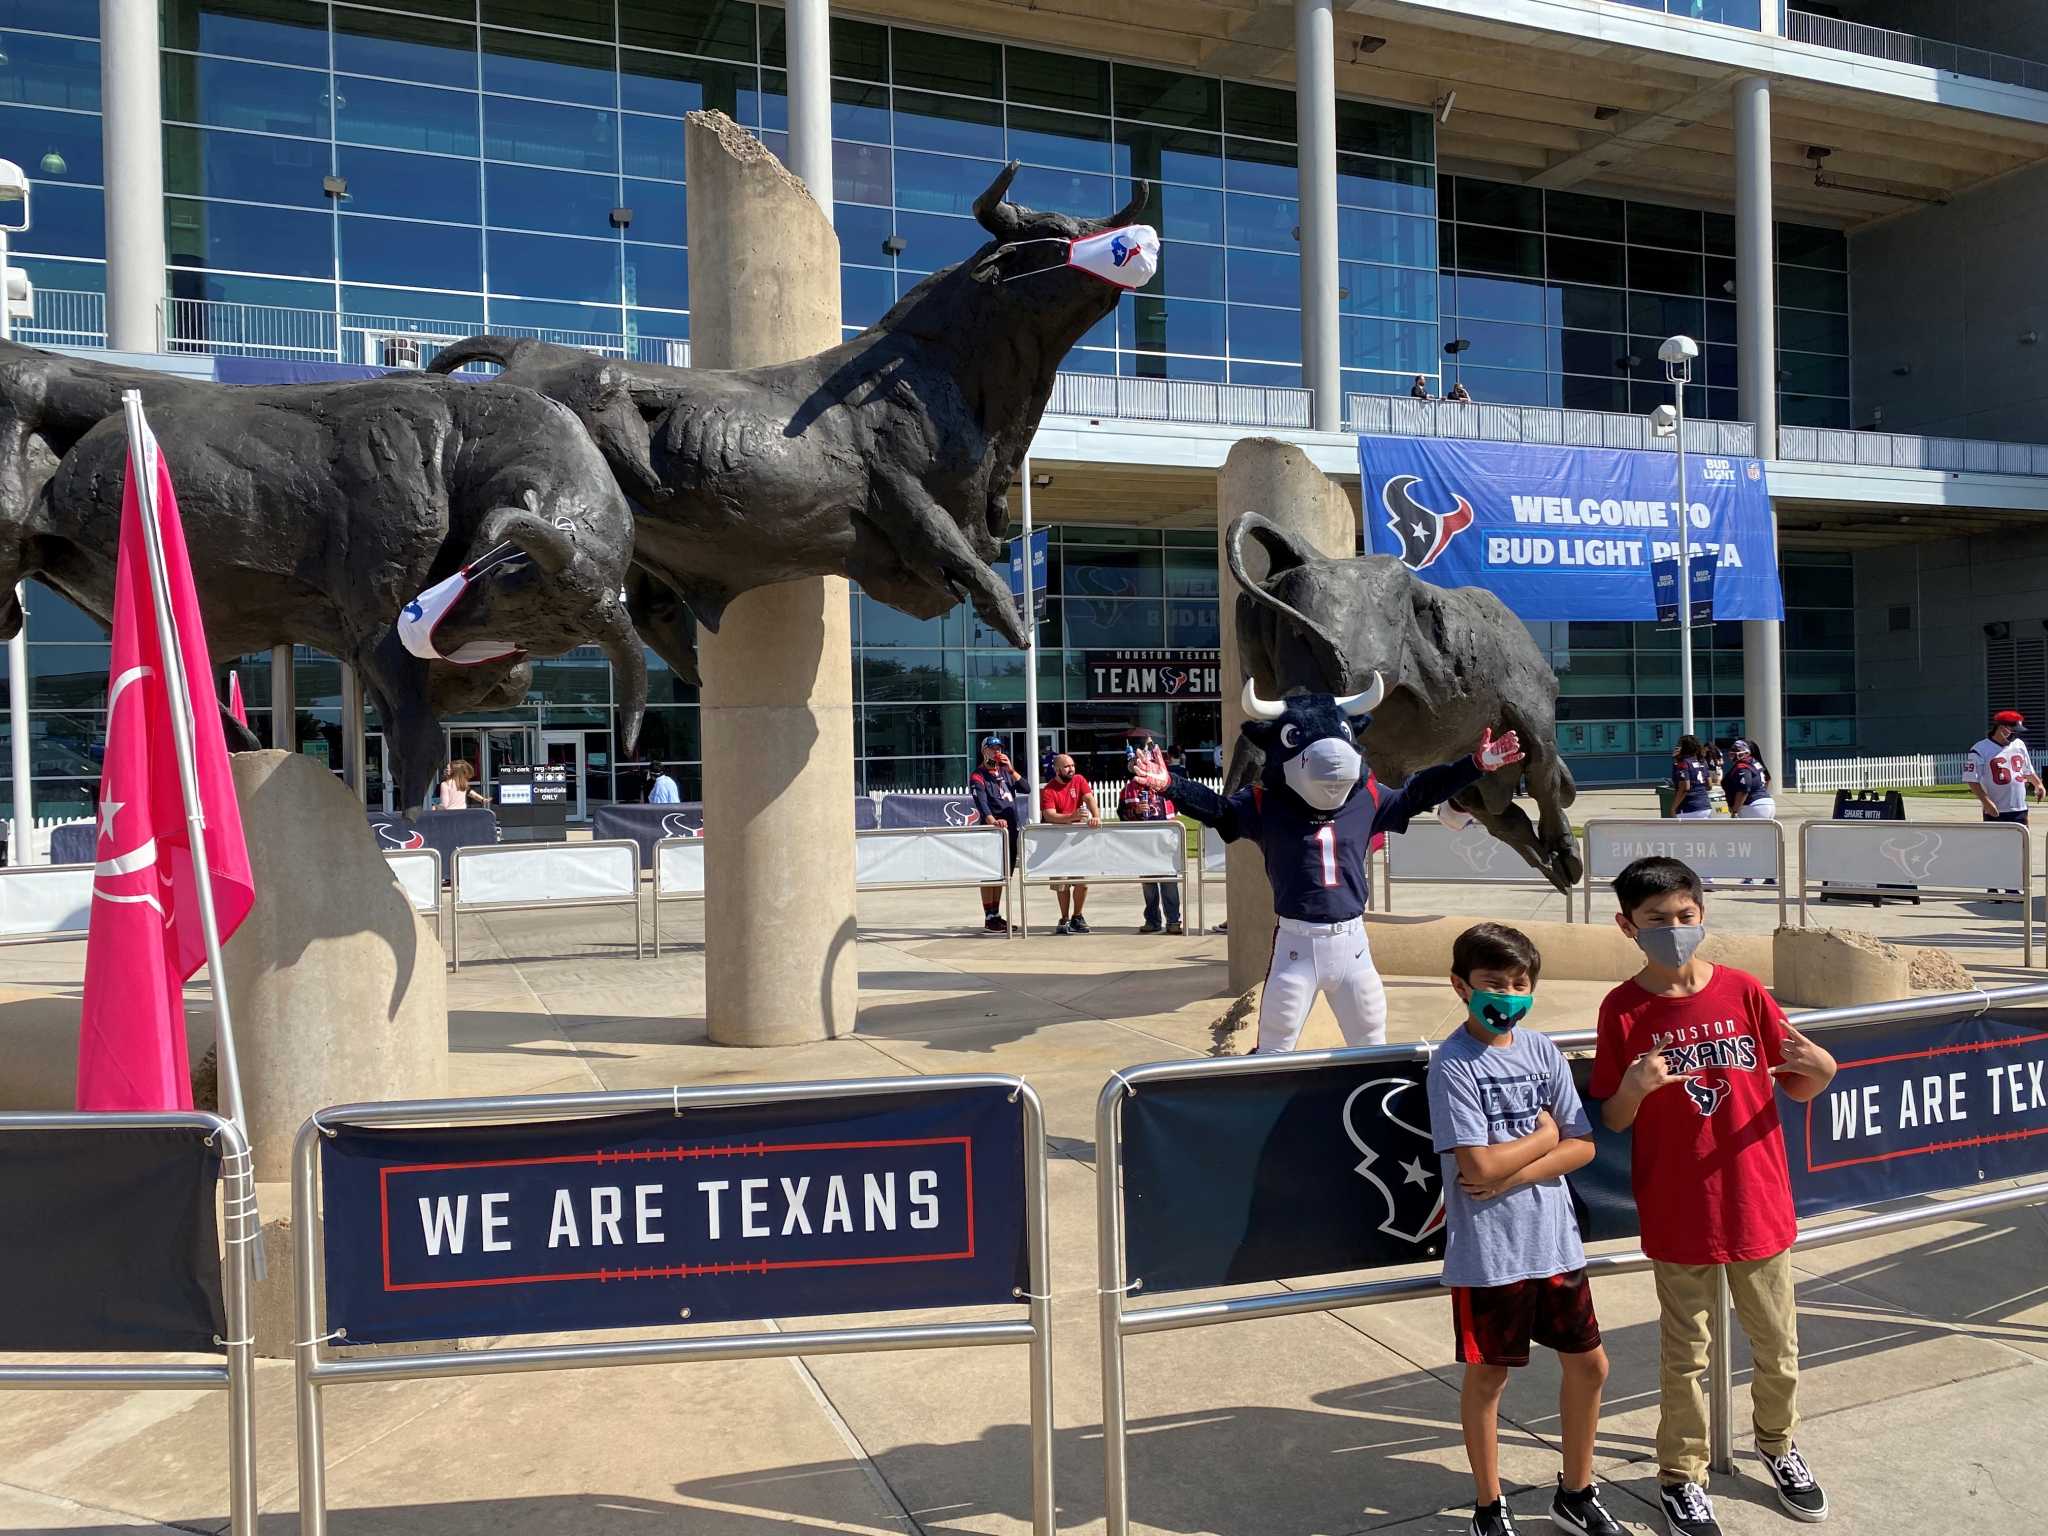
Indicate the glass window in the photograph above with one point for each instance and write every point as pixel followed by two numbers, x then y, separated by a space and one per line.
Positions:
pixel 1389 345
pixel 1265 277
pixel 883 625
pixel 1805 288
pixel 386 251
pixel 1192 625
pixel 658 275
pixel 1807 246
pixel 861 173
pixel 404 48
pixel 246 239
pixel 279 31
pixel 720 29
pixel 656 329
pixel 924 121
pixel 1806 374
pixel 1395 237
pixel 1595 352
pixel 1168 155
pixel 404 116
pixel 571 323
pixel 1365 127
pixel 1390 184
pixel 1584 261
pixel 1500 298
pixel 1074 192
pixel 932 241
pixel 865 295
pixel 72 138
pixel 1059 80
pixel 1500 250
pixel 1190 271
pixel 1181 213
pixel 1585 394
pixel 1266 222
pixel 1664 271
pixel 862 231
pixel 655 82
pixel 1108 562
pixel 1262 111
pixel 653 146
pixel 542 266
pixel 1102 624
pixel 248 167
pixel 860 111
pixel 913 676
pixel 555 68
pixel 1720 322
pixel 51 72
pixel 559 202
pixel 51 16
pixel 1184 325
pixel 1251 165
pixel 1039 137
pixel 454 311
pixel 1720 367
pixel 1498 202
pixel 1593 309
pixel 1586 218
pixel 540 133
pixel 1496 345
pixel 916 730
pixel 223 93
pixel 1270 334
pixel 1806 330
pixel 579 18
pixel 964 66
pixel 1657 224
pixel 1651 314
pixel 1402 292
pixel 1155 96
pixel 1500 386
pixel 941 183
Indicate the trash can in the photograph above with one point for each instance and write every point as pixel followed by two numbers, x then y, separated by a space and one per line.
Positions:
pixel 1665 794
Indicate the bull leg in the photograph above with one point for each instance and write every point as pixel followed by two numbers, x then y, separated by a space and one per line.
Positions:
pixel 902 505
pixel 1550 783
pixel 396 681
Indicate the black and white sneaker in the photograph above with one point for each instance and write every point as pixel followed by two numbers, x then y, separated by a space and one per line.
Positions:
pixel 993 923
pixel 1799 1494
pixel 1494 1519
pixel 1063 926
pixel 1582 1512
pixel 1687 1510
pixel 1078 925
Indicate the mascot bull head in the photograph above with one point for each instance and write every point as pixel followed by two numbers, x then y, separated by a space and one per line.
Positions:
pixel 1310 742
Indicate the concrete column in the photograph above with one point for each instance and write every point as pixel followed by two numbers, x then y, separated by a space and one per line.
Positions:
pixel 1315 120
pixel 131 125
pixel 284 700
pixel 1275 479
pixel 808 30
pixel 1756 332
pixel 354 746
pixel 777 701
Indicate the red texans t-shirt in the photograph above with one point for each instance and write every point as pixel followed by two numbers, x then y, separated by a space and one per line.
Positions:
pixel 1709 1162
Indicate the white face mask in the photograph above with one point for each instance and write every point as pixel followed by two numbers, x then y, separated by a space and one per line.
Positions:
pixel 1127 257
pixel 419 618
pixel 1324 772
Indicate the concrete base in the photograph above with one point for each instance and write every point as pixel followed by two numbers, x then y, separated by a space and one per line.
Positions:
pixel 1421 946
pixel 1837 968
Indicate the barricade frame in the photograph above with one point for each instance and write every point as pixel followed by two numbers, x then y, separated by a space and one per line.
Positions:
pixel 1101 829
pixel 440 877
pixel 2024 898
pixel 1586 849
pixel 1385 858
pixel 315 1371
pixel 655 897
pixel 1201 877
pixel 982 829
pixel 1113 1284
pixel 25 871
pixel 457 905
pixel 240 1232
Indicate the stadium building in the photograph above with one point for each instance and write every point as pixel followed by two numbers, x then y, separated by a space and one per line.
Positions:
pixel 1524 197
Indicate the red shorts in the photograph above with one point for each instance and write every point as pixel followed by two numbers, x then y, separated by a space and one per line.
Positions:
pixel 1495 1323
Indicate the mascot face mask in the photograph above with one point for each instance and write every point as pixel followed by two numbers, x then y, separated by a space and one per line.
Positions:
pixel 1312 740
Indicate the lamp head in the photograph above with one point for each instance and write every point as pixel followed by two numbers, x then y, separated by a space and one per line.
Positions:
pixel 13 182
pixel 1678 349
pixel 1664 421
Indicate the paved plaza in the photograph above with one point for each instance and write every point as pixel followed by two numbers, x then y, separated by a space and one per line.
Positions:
pixel 1926 1353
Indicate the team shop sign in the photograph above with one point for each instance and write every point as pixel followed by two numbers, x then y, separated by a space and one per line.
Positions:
pixel 712 1216
pixel 1569 533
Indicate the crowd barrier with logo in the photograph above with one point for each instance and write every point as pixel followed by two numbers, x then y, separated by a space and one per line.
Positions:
pixel 1212 864
pixel 1224 1172
pixel 1433 853
pixel 568 1213
pixel 524 876
pixel 73 842
pixel 45 901
pixel 418 873
pixel 1719 849
pixel 442 831
pixel 118 1250
pixel 1943 860
pixel 1115 853
pixel 678 875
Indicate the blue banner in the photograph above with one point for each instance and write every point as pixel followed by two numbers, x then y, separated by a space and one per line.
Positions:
pixel 1568 533
pixel 1664 575
pixel 780 1210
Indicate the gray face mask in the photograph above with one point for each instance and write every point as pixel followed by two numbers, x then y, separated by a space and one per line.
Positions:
pixel 1671 947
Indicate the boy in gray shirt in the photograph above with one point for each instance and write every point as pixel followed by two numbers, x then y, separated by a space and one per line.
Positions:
pixel 1508 1126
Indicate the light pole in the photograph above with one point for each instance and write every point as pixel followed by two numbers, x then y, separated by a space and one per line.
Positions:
pixel 21 845
pixel 1677 356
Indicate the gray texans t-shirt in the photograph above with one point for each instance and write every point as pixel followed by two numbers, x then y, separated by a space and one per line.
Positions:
pixel 1482 1094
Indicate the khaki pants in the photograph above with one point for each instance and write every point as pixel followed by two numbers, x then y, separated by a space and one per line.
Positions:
pixel 1761 1290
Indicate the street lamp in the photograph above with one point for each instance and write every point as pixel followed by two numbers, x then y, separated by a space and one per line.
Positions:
pixel 21 845
pixel 1677 354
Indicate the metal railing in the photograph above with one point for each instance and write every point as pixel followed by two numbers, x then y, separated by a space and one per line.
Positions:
pixel 1188 401
pixel 1906 450
pixel 65 317
pixel 1906 48
pixel 1404 416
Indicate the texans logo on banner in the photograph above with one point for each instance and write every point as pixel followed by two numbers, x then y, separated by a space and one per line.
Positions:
pixel 1414 1200
pixel 1913 854
pixel 682 824
pixel 396 837
pixel 1423 534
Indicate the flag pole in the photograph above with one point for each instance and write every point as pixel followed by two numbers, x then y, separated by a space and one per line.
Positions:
pixel 228 1073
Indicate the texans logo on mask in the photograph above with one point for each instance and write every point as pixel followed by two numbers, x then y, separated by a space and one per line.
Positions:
pixel 1423 534
pixel 1396 1157
pixel 1707 1094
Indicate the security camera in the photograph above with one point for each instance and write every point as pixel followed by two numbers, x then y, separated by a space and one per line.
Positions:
pixel 1444 103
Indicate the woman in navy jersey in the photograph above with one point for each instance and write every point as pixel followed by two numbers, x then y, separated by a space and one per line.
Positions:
pixel 1691 781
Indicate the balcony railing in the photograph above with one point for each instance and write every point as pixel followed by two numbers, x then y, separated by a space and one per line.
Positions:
pixel 65 318
pixel 1187 401
pixel 1906 48
pixel 1905 450
pixel 1401 416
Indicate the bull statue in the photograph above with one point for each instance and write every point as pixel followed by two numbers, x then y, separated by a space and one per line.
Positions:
pixel 885 459
pixel 315 514
pixel 1454 661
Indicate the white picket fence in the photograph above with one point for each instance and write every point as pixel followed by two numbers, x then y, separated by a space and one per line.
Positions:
pixel 1912 771
pixel 1107 791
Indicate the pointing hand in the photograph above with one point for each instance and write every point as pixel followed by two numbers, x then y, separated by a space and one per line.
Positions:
pixel 1652 1070
pixel 1496 752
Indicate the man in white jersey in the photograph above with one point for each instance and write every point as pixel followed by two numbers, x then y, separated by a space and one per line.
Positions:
pixel 1999 771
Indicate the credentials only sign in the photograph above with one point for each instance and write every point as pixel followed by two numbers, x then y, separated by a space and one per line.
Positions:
pixel 912 1200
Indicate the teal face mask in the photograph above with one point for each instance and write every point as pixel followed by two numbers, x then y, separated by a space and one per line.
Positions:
pixel 1500 1011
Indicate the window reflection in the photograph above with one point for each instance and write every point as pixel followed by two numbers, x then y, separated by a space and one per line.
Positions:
pixel 542 133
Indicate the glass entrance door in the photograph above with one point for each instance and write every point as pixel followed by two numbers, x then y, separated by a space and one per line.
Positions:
pixel 488 748
pixel 564 749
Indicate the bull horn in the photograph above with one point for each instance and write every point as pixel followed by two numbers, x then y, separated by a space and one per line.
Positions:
pixel 1368 701
pixel 1141 194
pixel 998 217
pixel 1256 708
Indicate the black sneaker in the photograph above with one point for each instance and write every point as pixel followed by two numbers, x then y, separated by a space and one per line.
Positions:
pixel 1687 1510
pixel 1150 928
pixel 994 923
pixel 1494 1519
pixel 1798 1494
pixel 1079 924
pixel 1582 1512
pixel 1176 929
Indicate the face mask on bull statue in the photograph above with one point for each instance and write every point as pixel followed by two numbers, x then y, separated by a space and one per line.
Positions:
pixel 1310 741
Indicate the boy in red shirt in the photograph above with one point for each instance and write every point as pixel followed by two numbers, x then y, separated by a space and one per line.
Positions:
pixel 1690 1054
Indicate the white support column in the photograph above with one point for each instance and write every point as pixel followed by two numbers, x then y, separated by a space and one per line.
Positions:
pixel 354 771
pixel 1315 119
pixel 131 119
pixel 1756 329
pixel 284 700
pixel 809 33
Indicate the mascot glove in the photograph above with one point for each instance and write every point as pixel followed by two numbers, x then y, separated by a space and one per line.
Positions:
pixel 1496 752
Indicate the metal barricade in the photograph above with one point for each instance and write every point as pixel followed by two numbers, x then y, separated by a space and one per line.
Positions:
pixel 934 859
pixel 39 902
pixel 1114 1285
pixel 418 873
pixel 1718 848
pixel 236 1374
pixel 1212 862
pixel 678 876
pixel 1947 860
pixel 528 876
pixel 1430 853
pixel 1114 853
pixel 316 1371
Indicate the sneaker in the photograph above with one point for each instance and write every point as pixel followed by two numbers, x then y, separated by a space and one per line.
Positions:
pixel 1063 926
pixel 1176 929
pixel 1150 928
pixel 1079 924
pixel 1687 1510
pixel 1582 1512
pixel 993 923
pixel 1798 1494
pixel 1494 1519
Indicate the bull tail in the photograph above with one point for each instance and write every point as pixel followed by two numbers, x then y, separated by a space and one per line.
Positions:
pixel 502 350
pixel 1284 552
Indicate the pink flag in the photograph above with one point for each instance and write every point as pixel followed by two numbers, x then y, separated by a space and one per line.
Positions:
pixel 146 938
pixel 235 705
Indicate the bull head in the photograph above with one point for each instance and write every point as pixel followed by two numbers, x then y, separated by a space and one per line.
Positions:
pixel 1310 742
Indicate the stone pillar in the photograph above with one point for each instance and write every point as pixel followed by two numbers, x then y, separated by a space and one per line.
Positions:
pixel 284 700
pixel 131 127
pixel 1756 330
pixel 1315 116
pixel 777 700
pixel 1276 480
pixel 808 28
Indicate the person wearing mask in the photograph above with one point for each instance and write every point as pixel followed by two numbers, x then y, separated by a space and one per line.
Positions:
pixel 1748 784
pixel 999 793
pixel 2000 772
pixel 1141 802
pixel 1691 781
pixel 1069 800
pixel 663 790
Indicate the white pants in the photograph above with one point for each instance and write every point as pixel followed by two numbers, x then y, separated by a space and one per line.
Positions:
pixel 1328 958
pixel 1764 808
pixel 1692 815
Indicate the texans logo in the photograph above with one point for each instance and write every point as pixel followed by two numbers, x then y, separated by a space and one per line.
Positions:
pixel 1415 1204
pixel 960 813
pixel 1423 534
pixel 1477 854
pixel 679 824
pixel 1913 853
pixel 398 837
pixel 1707 1094
pixel 1122 249
pixel 1172 679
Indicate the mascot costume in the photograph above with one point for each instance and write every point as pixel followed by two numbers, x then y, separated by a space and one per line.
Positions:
pixel 1314 813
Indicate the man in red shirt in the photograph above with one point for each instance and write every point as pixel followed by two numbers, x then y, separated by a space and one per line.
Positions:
pixel 1068 801
pixel 1691 1055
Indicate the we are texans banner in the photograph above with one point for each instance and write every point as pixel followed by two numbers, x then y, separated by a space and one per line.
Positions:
pixel 1569 533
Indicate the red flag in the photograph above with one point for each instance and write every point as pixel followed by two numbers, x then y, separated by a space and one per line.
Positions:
pixel 235 705
pixel 146 938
